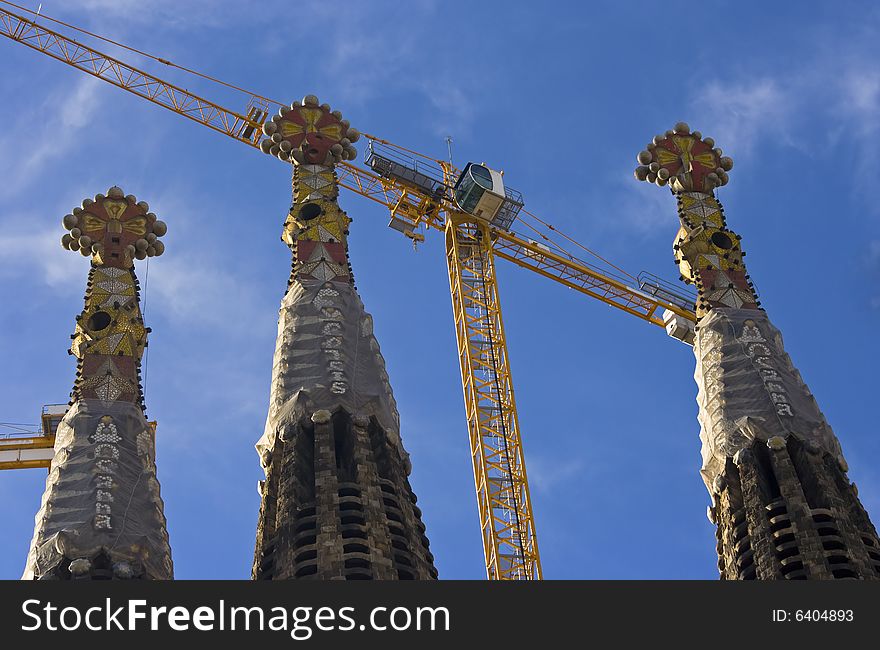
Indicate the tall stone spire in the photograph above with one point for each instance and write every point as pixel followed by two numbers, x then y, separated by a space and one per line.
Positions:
pixel 336 502
pixel 101 515
pixel 781 500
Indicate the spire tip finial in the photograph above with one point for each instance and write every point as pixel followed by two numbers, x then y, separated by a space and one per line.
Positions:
pixel 114 229
pixel 684 160
pixel 308 132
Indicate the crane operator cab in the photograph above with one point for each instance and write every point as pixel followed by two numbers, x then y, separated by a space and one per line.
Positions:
pixel 480 191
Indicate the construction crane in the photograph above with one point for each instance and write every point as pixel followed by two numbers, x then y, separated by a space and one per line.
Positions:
pixel 31 446
pixel 477 213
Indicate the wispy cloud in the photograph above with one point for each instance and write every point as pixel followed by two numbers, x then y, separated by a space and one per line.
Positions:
pixel 359 54
pixel 830 100
pixel 641 208
pixel 739 114
pixel 38 254
pixel 832 97
pixel 198 292
pixel 874 268
pixel 169 13
pixel 79 107
pixel 201 292
pixel 858 109
pixel 742 112
pixel 73 108
pixel 366 56
pixel 454 111
pixel 755 108
pixel 547 475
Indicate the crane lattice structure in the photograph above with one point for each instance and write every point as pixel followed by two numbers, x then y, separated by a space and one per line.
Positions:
pixel 419 193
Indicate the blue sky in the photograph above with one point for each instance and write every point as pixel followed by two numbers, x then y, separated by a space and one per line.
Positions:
pixel 562 97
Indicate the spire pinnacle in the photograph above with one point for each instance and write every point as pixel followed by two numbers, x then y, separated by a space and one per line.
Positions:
pixel 307 132
pixel 685 160
pixel 114 229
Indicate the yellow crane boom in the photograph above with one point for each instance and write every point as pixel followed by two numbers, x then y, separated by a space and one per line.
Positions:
pixel 472 244
pixel 27 452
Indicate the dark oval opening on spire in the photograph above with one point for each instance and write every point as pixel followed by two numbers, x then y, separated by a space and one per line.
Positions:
pixel 99 320
pixel 721 240
pixel 310 211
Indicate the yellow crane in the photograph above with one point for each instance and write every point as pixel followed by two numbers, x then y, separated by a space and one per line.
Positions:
pixel 476 212
pixel 25 448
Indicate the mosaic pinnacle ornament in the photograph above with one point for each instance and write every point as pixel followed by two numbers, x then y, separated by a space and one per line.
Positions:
pixel 101 515
pixel 781 500
pixel 336 502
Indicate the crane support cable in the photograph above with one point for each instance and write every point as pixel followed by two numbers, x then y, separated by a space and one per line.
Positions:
pixel 558 248
pixel 578 244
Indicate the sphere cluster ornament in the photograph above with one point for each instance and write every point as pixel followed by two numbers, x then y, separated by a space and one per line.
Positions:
pixel 114 228
pixel 684 160
pixel 308 132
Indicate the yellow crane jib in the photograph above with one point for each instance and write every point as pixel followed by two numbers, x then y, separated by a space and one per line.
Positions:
pixel 35 449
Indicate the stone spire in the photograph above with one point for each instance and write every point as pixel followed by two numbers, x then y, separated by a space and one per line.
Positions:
pixel 101 515
pixel 781 500
pixel 336 502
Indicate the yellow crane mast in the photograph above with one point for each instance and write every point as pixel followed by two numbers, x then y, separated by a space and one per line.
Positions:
pixel 423 194
pixel 505 507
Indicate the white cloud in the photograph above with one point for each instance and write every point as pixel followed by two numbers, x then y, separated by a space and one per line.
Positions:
pixel 754 109
pixel 171 13
pixel 858 113
pixel 201 292
pixel 454 109
pixel 643 207
pixel 831 98
pixel 546 476
pixel 863 95
pixel 366 57
pixel 73 108
pixel 78 107
pixel 740 113
pixel 874 267
pixel 38 253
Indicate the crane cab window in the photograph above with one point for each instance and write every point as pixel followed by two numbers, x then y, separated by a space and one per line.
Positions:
pixel 481 176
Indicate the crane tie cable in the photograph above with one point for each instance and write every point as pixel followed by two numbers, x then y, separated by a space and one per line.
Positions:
pixel 576 243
